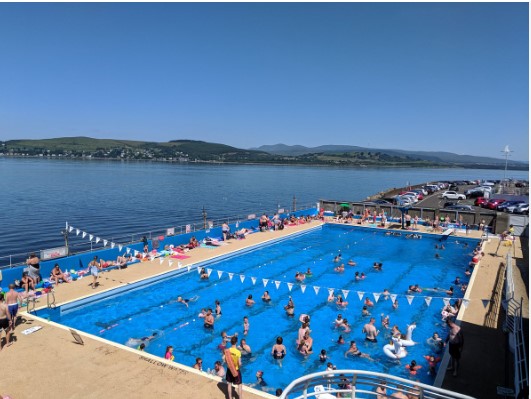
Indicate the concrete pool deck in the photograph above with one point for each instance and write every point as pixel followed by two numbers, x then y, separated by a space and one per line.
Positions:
pixel 49 362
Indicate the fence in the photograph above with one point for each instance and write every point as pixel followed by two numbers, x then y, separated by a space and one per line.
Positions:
pixel 362 384
pixel 514 324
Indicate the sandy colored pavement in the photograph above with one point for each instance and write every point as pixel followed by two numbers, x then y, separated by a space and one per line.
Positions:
pixel 49 362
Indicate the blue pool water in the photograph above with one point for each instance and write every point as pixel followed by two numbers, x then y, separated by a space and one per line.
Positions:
pixel 139 312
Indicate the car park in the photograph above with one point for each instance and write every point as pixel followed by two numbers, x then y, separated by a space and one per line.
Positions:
pixel 419 196
pixel 459 207
pixel 453 195
pixel 411 197
pixel 474 193
pixel 378 202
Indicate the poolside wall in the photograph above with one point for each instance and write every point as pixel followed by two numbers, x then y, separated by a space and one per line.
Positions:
pixel 81 260
pixel 472 218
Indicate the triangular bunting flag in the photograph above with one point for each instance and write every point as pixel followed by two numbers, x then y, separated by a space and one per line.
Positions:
pixel 161 260
pixel 136 252
pixel 91 237
pixel 120 247
pixel 290 286
pixel 170 263
pixel 409 298
pixel 465 303
pixel 98 240
pixel 253 280
pixel 446 301
pixel 303 288
pixel 105 242
pixel 242 278
pixel 345 293
pixel 77 232
pixel 198 271
pixel 113 245
pixel 128 250
pixel 427 300
pixel 316 289
pixel 393 297
pixel 360 295
pixel 220 273
pixel 376 296
pixel 330 291
pixel 179 264
pixel 277 284
pixel 209 271
pixel 70 228
pixel 84 235
pixel 485 302
pixel 265 281
pixel 230 276
pixel 188 267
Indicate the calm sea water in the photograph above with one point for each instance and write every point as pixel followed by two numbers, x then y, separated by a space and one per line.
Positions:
pixel 115 199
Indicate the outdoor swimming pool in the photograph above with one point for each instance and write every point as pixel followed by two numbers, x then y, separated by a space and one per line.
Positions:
pixel 153 307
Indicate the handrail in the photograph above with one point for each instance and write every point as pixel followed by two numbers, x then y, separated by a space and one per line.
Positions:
pixel 355 382
pixel 514 323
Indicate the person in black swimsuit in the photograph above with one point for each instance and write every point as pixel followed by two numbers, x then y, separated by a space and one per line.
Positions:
pixel 279 350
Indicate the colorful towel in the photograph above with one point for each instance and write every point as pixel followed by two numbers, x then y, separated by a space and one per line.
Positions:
pixel 179 256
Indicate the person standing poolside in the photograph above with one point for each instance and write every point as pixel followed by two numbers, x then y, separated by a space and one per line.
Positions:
pixel 225 230
pixel 233 358
pixel 12 302
pixel 5 321
pixel 455 340
pixel 370 331
pixel 94 268
pixel 34 267
pixel 169 353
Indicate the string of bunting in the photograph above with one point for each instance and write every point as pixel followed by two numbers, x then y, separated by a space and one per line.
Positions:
pixel 361 294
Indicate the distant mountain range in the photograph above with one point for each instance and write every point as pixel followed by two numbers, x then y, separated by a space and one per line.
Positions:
pixel 200 151
pixel 433 156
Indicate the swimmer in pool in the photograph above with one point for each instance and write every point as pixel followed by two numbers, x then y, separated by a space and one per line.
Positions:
pixel 143 340
pixel 266 297
pixel 244 347
pixel 368 302
pixel 249 301
pixel 354 351
pixel 365 312
pixel 340 268
pixel 351 262
pixel 395 304
pixel 340 302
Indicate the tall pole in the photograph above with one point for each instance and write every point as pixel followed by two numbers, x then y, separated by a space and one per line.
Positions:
pixel 204 218
pixel 294 204
pixel 506 151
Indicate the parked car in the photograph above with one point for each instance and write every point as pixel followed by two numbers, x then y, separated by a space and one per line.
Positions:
pixel 407 201
pixel 378 202
pixel 419 196
pixel 504 205
pixel 522 208
pixel 459 207
pixel 480 201
pixel 475 193
pixel 487 183
pixel 493 203
pixel 453 195
pixel 411 197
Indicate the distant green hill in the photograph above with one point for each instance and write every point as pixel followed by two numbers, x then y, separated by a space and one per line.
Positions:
pixel 201 151
pixel 429 156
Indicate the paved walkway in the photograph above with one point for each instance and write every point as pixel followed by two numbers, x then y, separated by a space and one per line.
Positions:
pixel 51 363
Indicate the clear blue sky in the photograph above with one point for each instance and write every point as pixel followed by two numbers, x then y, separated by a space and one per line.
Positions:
pixel 422 76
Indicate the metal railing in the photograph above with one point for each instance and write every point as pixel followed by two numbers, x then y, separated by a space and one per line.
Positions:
pixel 361 384
pixel 514 324
pixel 17 259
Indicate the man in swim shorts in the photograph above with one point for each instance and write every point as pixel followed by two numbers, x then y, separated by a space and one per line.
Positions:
pixel 12 300
pixel 370 331
pixel 236 360
pixel 209 319
pixel 5 321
